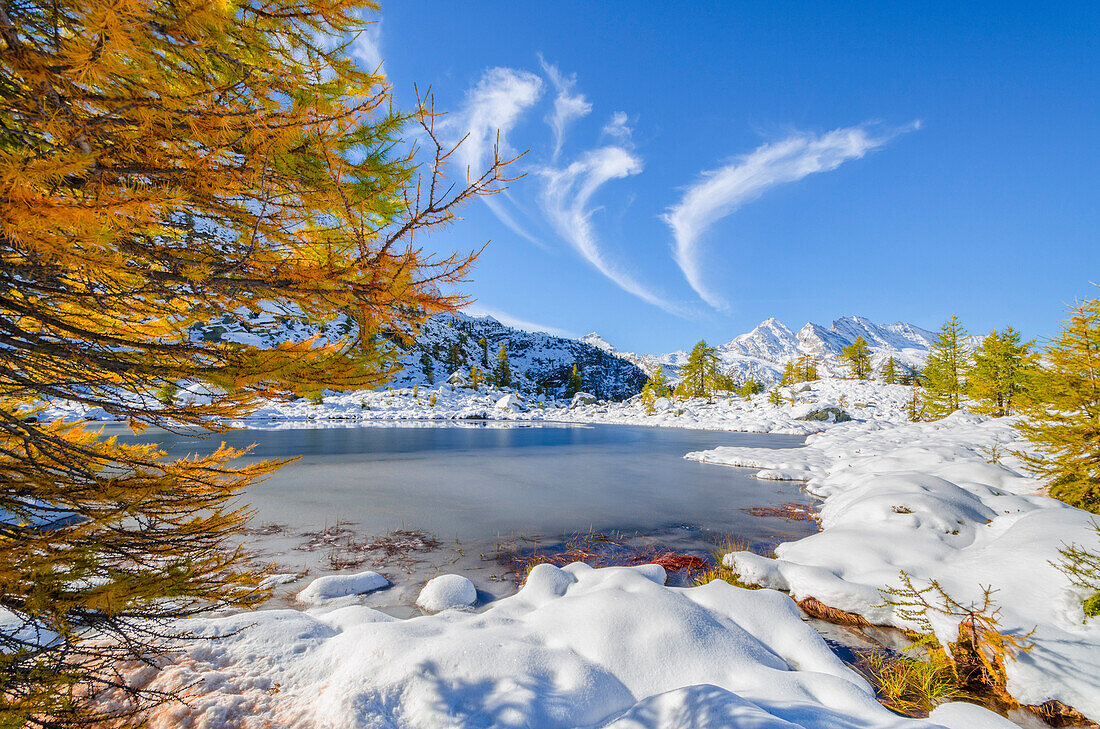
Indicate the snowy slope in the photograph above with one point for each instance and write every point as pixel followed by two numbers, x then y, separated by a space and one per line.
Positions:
pixel 762 353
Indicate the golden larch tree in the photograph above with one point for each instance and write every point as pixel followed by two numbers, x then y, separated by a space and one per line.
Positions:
pixel 164 163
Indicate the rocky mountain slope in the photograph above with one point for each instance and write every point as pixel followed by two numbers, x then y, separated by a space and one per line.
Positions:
pixel 539 362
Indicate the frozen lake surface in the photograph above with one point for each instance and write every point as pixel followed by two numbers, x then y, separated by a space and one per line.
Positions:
pixel 482 488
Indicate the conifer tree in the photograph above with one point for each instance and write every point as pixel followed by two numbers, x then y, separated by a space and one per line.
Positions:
pixel 574 384
pixel 1002 367
pixel 790 375
pixel 1064 411
pixel 700 373
pixel 944 379
pixel 165 165
pixel 750 387
pixel 774 397
pixel 890 372
pixel 502 375
pixel 428 367
pixel 484 344
pixel 475 377
pixel 658 383
pixel 649 399
pixel 806 368
pixel 857 356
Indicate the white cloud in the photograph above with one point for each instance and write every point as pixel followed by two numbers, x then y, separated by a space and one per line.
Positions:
pixel 366 48
pixel 567 105
pixel 721 191
pixel 492 109
pixel 515 323
pixel 565 199
pixel 617 128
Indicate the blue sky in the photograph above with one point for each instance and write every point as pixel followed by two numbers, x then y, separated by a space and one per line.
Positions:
pixel 692 169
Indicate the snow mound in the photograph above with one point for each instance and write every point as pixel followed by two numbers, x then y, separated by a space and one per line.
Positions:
pixel 940 501
pixel 575 647
pixel 332 587
pixel 445 592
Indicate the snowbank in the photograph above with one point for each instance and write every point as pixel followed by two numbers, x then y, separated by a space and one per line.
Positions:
pixel 576 647
pixel 944 501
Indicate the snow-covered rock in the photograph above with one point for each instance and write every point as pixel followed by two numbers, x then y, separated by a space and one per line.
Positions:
pixel 332 587
pixel 582 398
pixel 445 592
pixel 510 402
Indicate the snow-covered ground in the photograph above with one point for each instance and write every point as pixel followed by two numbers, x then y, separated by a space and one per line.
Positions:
pixel 863 400
pixel 942 501
pixel 576 647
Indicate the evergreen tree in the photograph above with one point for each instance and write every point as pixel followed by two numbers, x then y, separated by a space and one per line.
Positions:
pixel 774 397
pixel 574 384
pixel 699 375
pixel 857 355
pixel 1064 412
pixel 649 399
pixel 1002 367
pixel 890 372
pixel 910 375
pixel 165 165
pixel 945 372
pixel 484 344
pixel 428 367
pixel 502 375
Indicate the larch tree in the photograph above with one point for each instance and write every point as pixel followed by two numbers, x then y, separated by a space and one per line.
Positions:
pixel 857 356
pixel 890 372
pixel 945 372
pixel 1064 412
pixel 502 374
pixel 700 376
pixel 163 164
pixel 573 384
pixel 1002 368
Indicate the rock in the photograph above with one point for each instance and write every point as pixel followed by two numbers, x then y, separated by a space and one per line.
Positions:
pixel 805 388
pixel 582 398
pixel 446 592
pixel 662 403
pixel 512 402
pixel 458 379
pixel 332 587
pixel 827 415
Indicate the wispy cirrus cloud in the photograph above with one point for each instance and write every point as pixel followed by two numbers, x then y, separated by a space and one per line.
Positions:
pixel 366 47
pixel 721 191
pixel 516 322
pixel 567 104
pixel 491 111
pixel 565 199
pixel 617 128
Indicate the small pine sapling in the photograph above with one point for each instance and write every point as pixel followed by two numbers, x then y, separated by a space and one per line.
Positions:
pixel 774 397
pixel 1082 567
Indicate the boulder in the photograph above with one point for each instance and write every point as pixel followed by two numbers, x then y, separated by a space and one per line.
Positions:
pixel 511 402
pixel 582 398
pixel 827 415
